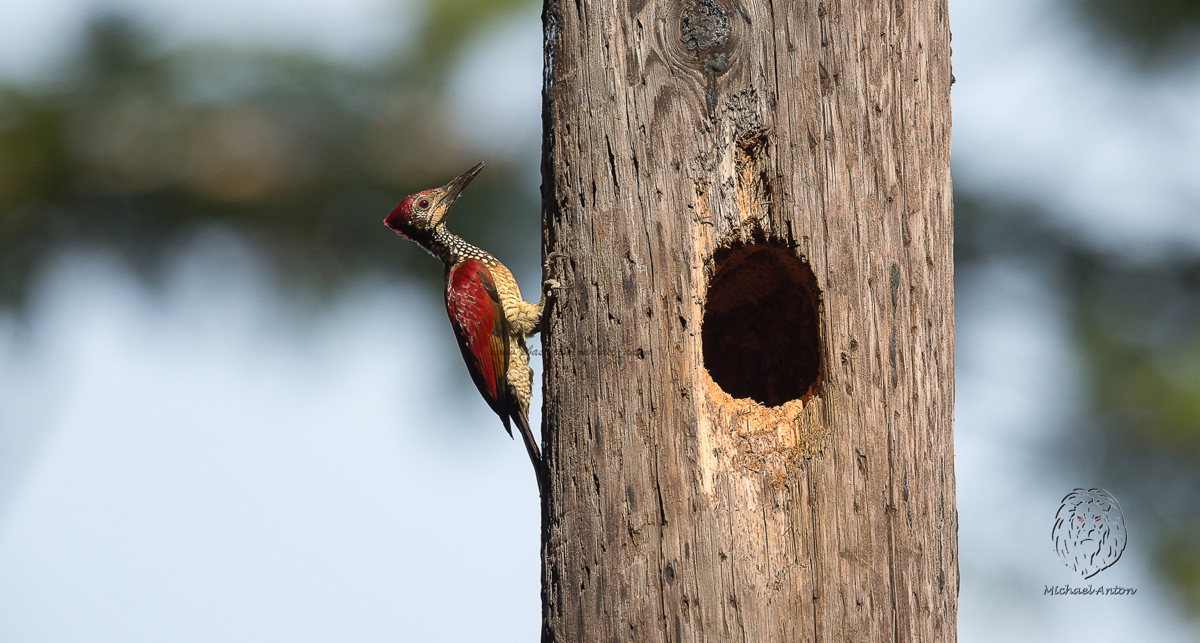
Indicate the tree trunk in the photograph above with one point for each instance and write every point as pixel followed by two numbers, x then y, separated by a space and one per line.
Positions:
pixel 749 375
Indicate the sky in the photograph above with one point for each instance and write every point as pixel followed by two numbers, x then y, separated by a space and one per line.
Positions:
pixel 208 460
pixel 1041 115
pixel 210 469
pixel 36 36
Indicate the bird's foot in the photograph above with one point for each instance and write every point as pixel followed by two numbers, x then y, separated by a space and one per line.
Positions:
pixel 550 288
pixel 550 284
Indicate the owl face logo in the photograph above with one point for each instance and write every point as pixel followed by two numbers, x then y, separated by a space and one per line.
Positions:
pixel 1089 531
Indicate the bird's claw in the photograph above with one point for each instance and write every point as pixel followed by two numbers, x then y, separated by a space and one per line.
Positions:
pixel 550 284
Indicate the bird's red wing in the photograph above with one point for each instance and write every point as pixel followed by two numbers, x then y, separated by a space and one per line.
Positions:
pixel 481 328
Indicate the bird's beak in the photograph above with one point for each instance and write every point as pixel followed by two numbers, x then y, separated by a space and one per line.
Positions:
pixel 451 190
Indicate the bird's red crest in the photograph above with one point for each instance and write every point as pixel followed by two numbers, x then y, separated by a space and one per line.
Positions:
pixel 402 217
pixel 398 220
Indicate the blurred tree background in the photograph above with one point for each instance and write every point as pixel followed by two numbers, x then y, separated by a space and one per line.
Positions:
pixel 1135 317
pixel 136 149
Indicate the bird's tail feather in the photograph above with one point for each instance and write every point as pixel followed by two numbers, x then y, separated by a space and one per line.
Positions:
pixel 531 446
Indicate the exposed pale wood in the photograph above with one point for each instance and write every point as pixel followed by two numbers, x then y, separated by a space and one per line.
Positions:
pixel 674 512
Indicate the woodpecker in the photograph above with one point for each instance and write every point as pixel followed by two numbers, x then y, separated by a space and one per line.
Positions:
pixel 488 315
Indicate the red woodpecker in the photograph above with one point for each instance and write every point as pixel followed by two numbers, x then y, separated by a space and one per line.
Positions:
pixel 489 318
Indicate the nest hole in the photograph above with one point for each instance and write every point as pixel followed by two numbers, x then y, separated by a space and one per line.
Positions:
pixel 761 332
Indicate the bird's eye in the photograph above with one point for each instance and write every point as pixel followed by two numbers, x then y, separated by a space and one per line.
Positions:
pixel 423 204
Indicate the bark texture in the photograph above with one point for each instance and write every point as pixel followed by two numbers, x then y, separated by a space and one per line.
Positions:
pixel 727 145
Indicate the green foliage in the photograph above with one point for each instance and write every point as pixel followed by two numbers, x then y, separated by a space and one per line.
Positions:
pixel 1178 560
pixel 33 165
pixel 1151 30
pixel 1140 328
pixel 135 150
pixel 449 23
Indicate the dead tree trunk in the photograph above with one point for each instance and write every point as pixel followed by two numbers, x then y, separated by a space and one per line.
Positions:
pixel 749 378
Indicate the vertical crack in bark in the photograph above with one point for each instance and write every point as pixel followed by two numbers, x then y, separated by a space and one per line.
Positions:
pixel 890 519
pixel 662 591
pixel 612 165
pixel 731 601
pixel 818 571
pixel 766 530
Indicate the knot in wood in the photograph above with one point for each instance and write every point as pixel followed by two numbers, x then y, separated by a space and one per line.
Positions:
pixel 705 26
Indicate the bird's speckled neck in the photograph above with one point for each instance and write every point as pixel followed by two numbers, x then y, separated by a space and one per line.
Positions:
pixel 451 248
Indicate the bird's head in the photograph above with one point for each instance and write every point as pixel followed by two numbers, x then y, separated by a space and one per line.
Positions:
pixel 419 214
